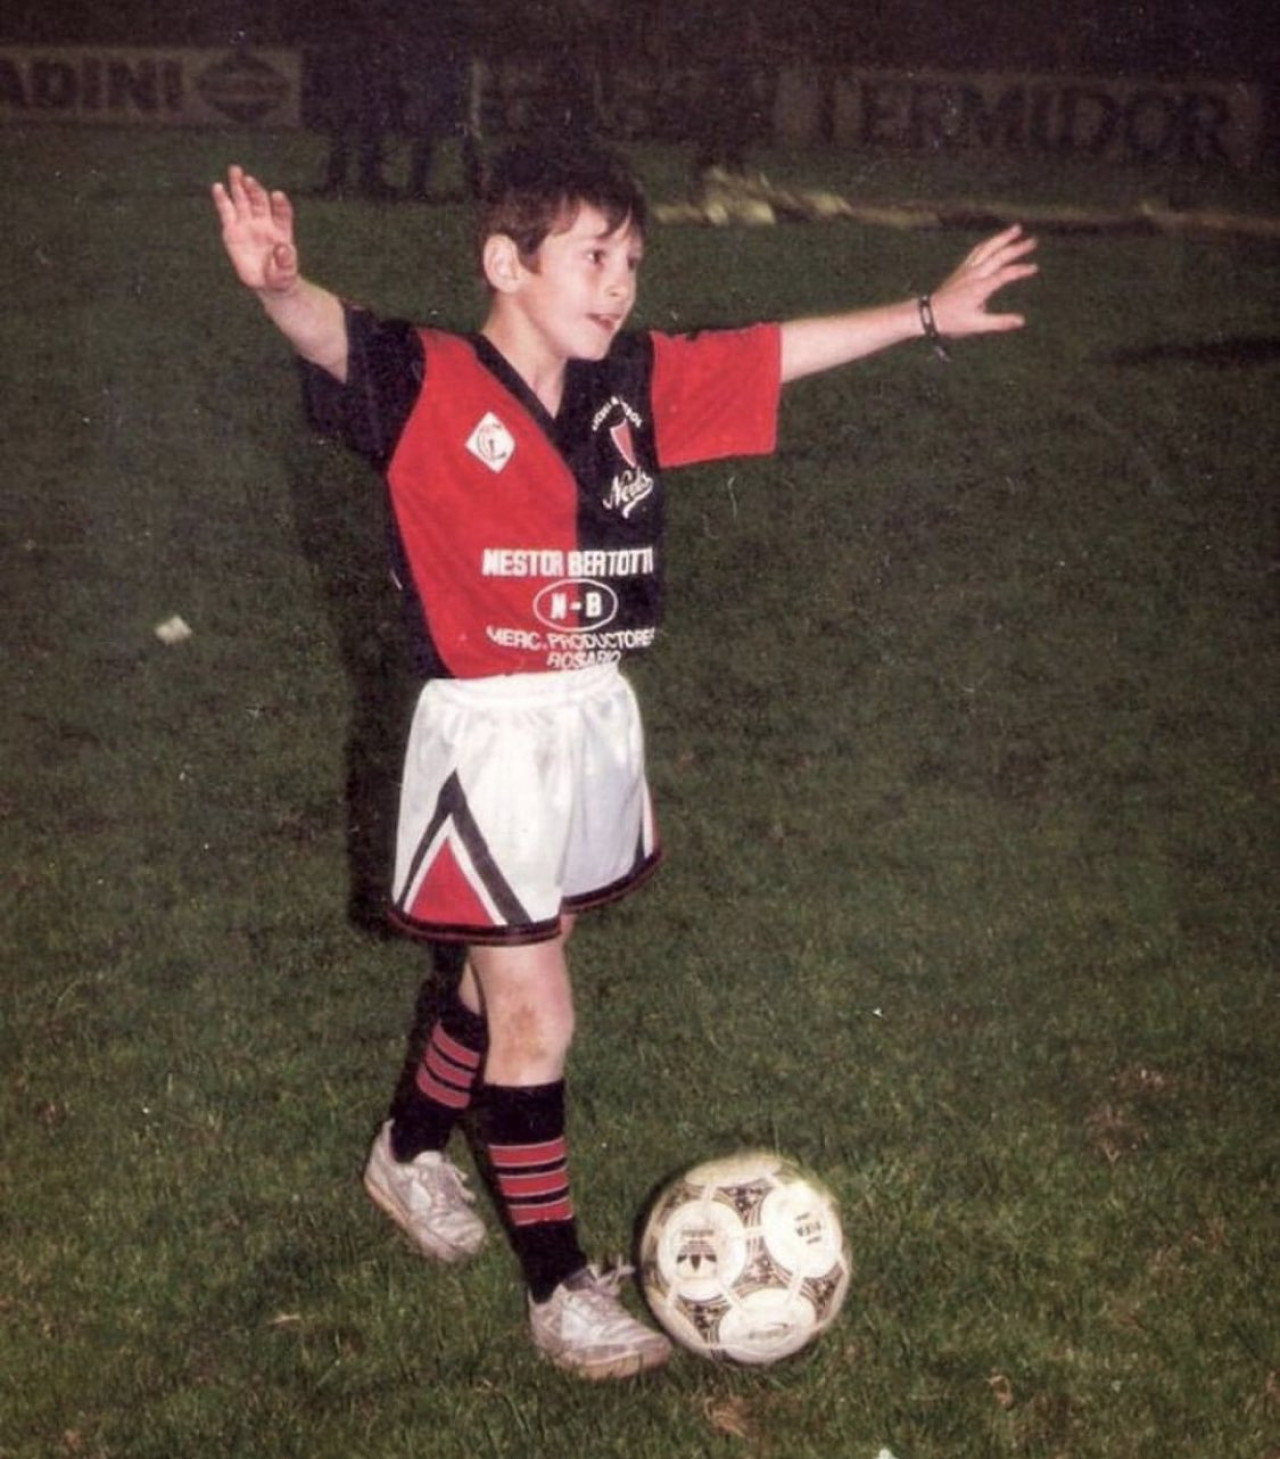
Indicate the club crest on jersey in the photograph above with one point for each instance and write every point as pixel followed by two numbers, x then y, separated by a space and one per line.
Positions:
pixel 632 484
pixel 491 442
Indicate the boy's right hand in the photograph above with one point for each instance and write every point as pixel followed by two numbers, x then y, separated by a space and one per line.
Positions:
pixel 257 232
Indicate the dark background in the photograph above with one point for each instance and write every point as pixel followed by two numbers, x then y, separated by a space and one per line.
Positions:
pixel 1232 39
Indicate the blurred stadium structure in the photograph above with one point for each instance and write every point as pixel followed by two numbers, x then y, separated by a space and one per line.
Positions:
pixel 647 67
pixel 1169 39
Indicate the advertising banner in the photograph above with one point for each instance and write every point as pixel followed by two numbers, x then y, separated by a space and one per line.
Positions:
pixel 1103 118
pixel 152 86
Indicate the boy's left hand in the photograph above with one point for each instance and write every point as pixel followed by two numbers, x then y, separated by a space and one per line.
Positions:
pixel 960 301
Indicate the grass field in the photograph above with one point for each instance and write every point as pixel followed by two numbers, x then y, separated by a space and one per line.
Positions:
pixel 963 735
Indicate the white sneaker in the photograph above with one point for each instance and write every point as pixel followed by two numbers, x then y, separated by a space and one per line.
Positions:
pixel 583 1328
pixel 427 1197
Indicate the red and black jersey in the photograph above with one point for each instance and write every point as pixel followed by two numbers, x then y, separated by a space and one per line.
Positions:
pixel 527 542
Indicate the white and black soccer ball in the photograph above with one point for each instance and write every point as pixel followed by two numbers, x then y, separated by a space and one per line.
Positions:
pixel 744 1259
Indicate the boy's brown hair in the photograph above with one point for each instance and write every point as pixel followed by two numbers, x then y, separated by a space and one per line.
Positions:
pixel 529 192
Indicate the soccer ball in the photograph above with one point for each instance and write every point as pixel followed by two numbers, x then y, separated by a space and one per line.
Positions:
pixel 743 1259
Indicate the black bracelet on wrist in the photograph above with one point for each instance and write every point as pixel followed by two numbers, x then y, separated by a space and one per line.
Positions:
pixel 930 326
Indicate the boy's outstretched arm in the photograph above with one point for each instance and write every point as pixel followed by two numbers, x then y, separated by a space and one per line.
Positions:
pixel 959 308
pixel 257 232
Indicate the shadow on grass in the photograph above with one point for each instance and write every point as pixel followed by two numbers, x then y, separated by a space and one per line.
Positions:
pixel 342 520
pixel 1236 351
pixel 340 516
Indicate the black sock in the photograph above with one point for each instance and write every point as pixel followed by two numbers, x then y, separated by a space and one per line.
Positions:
pixel 424 1116
pixel 524 1130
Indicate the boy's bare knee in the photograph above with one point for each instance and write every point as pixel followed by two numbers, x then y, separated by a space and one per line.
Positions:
pixel 529 1011
pixel 526 1034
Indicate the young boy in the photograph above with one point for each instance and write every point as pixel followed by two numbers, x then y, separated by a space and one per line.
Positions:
pixel 524 466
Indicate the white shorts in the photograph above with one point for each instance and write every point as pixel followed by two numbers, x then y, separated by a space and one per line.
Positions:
pixel 524 798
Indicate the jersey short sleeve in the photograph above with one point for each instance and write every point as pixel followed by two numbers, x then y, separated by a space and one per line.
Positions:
pixel 384 378
pixel 716 394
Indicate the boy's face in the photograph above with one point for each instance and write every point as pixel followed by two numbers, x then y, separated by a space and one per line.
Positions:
pixel 578 291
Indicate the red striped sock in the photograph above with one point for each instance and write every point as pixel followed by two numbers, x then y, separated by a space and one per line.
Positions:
pixel 443 1083
pixel 525 1137
pixel 448 1070
pixel 533 1181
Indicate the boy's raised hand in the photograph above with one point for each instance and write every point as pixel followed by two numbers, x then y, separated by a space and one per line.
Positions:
pixel 960 301
pixel 257 232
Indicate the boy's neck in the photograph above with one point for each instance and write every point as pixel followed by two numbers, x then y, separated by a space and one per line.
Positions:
pixel 541 371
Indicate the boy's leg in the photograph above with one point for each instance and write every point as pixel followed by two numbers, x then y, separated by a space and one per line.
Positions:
pixel 444 1082
pixel 528 1006
pixel 407 1173
pixel 575 1316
